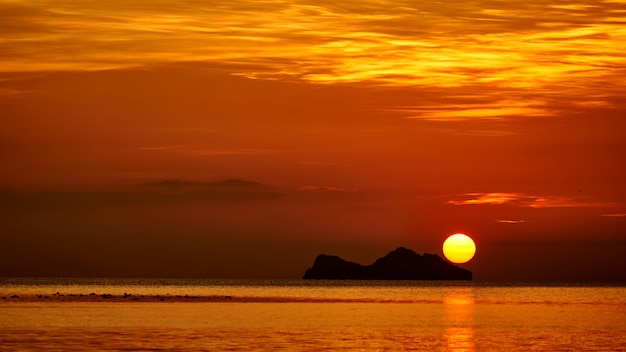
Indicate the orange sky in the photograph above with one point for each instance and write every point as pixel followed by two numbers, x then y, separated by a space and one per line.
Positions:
pixel 367 125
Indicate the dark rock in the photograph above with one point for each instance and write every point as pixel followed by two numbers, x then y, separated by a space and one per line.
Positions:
pixel 400 264
pixel 331 267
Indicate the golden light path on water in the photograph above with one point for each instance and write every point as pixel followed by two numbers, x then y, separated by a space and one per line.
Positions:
pixel 494 59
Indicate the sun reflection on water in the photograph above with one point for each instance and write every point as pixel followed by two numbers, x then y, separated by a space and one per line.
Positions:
pixel 459 309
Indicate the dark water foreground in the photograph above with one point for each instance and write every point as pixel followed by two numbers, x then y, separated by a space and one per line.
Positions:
pixel 196 315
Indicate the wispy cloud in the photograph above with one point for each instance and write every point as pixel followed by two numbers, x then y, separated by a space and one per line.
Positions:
pixel 456 48
pixel 487 198
pixel 205 151
pixel 474 132
pixel 526 200
pixel 615 215
pixel 9 92
pixel 498 110
pixel 511 221
pixel 311 188
pixel 155 193
pixel 324 163
pixel 198 130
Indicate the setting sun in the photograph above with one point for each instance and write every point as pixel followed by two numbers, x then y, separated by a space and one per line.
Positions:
pixel 459 248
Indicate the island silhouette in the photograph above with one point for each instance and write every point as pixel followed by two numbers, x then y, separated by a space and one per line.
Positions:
pixel 399 264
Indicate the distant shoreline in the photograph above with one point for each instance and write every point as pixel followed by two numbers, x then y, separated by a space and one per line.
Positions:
pixel 132 298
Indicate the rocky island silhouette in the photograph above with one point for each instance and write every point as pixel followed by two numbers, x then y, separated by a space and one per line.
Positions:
pixel 399 264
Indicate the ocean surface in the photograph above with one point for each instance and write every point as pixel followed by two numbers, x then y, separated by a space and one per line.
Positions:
pixel 300 315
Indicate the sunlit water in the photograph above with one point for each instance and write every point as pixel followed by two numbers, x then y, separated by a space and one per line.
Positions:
pixel 312 315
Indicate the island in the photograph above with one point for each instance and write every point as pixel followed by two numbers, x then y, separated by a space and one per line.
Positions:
pixel 399 264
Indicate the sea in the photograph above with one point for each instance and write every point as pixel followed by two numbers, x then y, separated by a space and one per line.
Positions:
pixel 69 314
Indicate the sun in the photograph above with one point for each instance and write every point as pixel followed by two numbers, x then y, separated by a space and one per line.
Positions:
pixel 459 248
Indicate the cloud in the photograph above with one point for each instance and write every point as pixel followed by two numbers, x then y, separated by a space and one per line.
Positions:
pixel 615 215
pixel 511 221
pixel 325 189
pixel 564 202
pixel 198 130
pixel 474 132
pixel 9 92
pixel 526 200
pixel 466 47
pixel 320 163
pixel 147 194
pixel 233 183
pixel 487 198
pixel 204 151
pixel 498 110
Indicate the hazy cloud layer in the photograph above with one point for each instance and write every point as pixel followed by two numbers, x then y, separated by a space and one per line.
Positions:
pixel 148 194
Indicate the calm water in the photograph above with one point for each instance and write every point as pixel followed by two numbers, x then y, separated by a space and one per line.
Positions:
pixel 310 315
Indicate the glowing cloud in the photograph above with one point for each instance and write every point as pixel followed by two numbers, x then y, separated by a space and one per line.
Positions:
pixel 500 109
pixel 525 200
pixel 511 221
pixel 488 198
pixel 323 43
